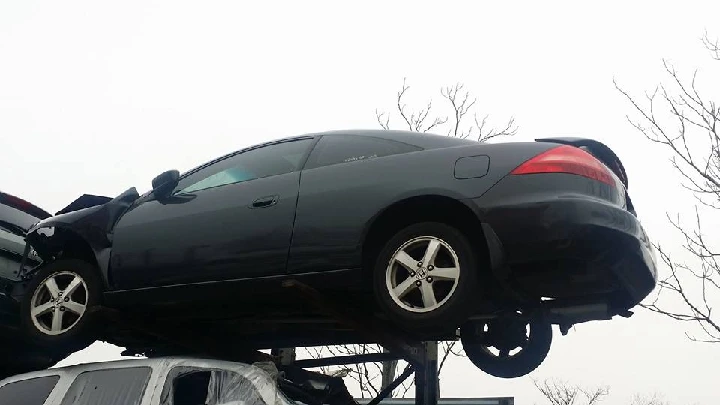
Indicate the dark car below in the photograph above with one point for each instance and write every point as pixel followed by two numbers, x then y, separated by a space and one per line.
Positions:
pixel 17 352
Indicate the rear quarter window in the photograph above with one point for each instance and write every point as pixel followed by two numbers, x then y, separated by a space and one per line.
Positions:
pixel 116 386
pixel 34 391
pixel 336 149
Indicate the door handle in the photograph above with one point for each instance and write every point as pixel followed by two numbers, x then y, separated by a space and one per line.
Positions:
pixel 264 202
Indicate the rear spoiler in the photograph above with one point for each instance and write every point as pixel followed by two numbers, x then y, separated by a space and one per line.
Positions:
pixel 22 205
pixel 597 149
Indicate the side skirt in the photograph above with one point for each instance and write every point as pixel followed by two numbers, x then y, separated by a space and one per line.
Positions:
pixel 242 289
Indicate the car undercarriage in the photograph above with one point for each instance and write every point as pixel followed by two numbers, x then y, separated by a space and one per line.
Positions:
pixel 334 322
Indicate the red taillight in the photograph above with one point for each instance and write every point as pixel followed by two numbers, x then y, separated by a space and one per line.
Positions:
pixel 568 159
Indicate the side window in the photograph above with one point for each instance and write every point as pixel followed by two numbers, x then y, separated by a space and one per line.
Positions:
pixel 265 161
pixel 334 149
pixel 119 386
pixel 28 392
pixel 190 389
pixel 190 386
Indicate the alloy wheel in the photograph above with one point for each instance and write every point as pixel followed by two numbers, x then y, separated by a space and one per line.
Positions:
pixel 423 274
pixel 59 302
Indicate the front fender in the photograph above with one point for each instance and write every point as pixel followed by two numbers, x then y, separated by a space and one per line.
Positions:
pixel 46 237
pixel 101 217
pixel 92 225
pixel 64 220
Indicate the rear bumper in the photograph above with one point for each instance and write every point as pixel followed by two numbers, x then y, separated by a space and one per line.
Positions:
pixel 574 248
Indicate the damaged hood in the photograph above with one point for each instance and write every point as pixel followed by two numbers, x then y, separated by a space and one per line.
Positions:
pixel 90 211
pixel 84 201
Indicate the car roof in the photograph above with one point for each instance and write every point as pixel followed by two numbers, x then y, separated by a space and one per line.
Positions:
pixel 420 139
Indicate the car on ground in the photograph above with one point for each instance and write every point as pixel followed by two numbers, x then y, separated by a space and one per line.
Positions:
pixel 159 381
pixel 495 241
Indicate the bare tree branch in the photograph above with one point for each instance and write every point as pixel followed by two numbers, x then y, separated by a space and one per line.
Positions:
pixel 645 400
pixel 368 376
pixel 417 121
pixel 685 123
pixel 712 45
pixel 459 103
pixel 559 392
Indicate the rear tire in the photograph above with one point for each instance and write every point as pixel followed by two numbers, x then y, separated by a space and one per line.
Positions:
pixel 56 307
pixel 426 277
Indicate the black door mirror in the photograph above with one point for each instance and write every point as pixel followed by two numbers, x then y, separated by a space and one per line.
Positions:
pixel 164 184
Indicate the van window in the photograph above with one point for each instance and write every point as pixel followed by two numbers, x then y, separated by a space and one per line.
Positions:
pixel 115 386
pixel 33 391
pixel 190 386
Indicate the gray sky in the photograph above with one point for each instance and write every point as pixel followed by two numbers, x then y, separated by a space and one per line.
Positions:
pixel 96 97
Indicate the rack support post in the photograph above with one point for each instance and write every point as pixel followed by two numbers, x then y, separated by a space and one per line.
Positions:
pixel 286 355
pixel 427 383
pixel 422 357
pixel 388 371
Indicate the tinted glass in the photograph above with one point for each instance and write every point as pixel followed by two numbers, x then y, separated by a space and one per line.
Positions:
pixel 336 149
pixel 257 163
pixel 189 386
pixel 119 386
pixel 28 392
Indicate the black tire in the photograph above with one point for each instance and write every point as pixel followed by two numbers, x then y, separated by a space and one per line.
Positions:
pixel 79 328
pixel 516 365
pixel 456 306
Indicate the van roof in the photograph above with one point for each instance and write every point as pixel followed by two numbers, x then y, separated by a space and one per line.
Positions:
pixel 157 362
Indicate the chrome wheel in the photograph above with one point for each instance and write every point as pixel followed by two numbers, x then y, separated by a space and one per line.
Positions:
pixel 59 302
pixel 423 274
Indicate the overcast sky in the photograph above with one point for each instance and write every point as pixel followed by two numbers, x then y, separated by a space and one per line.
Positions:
pixel 96 97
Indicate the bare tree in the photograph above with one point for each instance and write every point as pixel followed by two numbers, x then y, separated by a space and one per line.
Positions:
pixel 683 120
pixel 367 378
pixel 452 120
pixel 655 399
pixel 559 392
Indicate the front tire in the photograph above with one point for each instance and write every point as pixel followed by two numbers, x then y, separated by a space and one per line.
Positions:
pixel 426 277
pixel 55 308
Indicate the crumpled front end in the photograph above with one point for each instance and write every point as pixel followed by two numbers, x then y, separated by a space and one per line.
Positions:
pixel 81 230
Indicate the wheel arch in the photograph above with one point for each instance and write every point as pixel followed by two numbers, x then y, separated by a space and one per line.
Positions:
pixel 420 208
pixel 60 240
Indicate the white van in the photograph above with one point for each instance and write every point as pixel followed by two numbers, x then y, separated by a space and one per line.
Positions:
pixel 158 381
